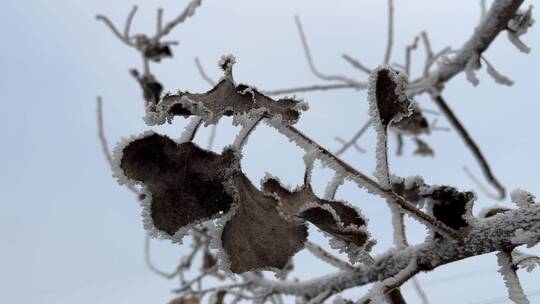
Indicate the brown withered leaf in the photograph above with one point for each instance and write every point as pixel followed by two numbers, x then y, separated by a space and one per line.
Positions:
pixel 185 300
pixel 256 236
pixel 227 99
pixel 186 182
pixel 217 297
pixel 390 98
pixel 333 217
pixel 414 124
pixel 449 205
pixel 494 211
pixel 410 191
pixel 209 260
pixel 422 148
pixel 150 86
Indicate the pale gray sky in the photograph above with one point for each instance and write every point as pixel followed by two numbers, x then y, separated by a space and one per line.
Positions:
pixel 70 234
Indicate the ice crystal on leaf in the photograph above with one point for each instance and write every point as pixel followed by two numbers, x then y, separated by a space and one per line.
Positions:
pixel 187 185
pixel 336 218
pixel 227 98
pixel 257 236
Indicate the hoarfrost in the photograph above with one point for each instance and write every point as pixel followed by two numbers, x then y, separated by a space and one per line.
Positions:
pixel 511 281
pixel 525 237
pixel 522 198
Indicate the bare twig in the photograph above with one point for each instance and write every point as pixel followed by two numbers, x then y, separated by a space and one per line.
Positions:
pixel 311 64
pixel 322 87
pixel 356 64
pixel 327 257
pixel 408 50
pixel 203 74
pixel 390 34
pixel 354 139
pixel 188 12
pixel 129 20
pixel 103 140
pixel 151 266
pixel 101 132
pixel 469 142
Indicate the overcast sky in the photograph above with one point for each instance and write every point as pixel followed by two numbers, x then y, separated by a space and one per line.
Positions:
pixel 70 234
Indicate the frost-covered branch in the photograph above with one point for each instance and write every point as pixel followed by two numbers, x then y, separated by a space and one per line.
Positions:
pixel 488 235
pixel 495 21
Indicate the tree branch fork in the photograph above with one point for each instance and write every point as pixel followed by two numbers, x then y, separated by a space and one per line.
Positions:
pixel 487 235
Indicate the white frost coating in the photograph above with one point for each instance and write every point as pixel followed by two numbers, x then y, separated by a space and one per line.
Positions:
pixel 224 262
pixel 472 65
pixel 118 152
pixel 377 293
pixel 525 237
pixel 515 292
pixel 189 129
pixel 518 26
pixel 398 226
pixel 514 39
pixel 525 261
pixel 161 113
pixel 309 160
pixel 146 203
pixel 326 257
pixel 486 236
pixel 498 77
pixel 381 169
pixel 340 300
pixel 248 90
pixel 333 185
pixel 522 198
pixel 247 127
pixel 226 63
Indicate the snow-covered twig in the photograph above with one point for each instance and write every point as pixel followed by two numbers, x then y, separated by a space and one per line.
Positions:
pixel 489 235
pixel 495 21
pixel 318 87
pixel 511 280
pixel 327 257
pixel 363 180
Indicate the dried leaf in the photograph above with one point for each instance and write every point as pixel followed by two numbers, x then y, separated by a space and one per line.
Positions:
pixel 387 95
pixel 227 99
pixel 257 236
pixel 336 218
pixel 157 52
pixel 494 211
pixel 422 148
pixel 217 297
pixel 410 188
pixel 185 181
pixel 451 206
pixel 152 50
pixel 209 260
pixel 414 124
pixel 185 300
pixel 150 86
